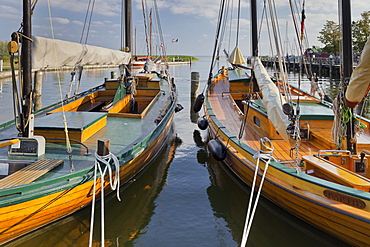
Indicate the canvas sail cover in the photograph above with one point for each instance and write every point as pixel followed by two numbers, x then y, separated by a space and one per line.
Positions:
pixel 272 99
pixel 360 79
pixel 56 53
pixel 236 57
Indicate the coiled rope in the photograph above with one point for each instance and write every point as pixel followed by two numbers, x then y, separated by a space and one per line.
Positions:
pixel 265 154
pixel 114 184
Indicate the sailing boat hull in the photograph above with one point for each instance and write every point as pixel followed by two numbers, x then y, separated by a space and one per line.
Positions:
pixel 34 206
pixel 339 210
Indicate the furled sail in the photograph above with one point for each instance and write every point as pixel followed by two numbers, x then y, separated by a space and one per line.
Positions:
pixel 55 53
pixel 272 98
pixel 359 83
pixel 236 57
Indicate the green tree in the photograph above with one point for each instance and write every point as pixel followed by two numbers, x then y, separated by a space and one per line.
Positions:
pixel 330 37
pixel 361 31
pixel 4 53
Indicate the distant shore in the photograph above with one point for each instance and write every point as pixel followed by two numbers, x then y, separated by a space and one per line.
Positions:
pixel 7 73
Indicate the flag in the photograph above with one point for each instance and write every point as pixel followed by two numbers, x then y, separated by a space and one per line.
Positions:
pixel 173 41
pixel 177 40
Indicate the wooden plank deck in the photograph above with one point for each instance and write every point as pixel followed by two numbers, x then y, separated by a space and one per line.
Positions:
pixel 29 173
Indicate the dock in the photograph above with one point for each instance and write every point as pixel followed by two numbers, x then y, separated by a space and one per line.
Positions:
pixel 321 66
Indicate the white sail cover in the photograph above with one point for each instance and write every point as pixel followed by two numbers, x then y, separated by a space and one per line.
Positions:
pixel 236 57
pixel 272 99
pixel 56 53
pixel 359 83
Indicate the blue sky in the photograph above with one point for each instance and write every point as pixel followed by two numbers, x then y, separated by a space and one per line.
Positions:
pixel 192 22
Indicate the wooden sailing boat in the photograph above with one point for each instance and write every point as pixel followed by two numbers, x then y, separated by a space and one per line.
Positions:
pixel 42 178
pixel 136 208
pixel 293 158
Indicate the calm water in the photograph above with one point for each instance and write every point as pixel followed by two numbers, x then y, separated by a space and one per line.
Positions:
pixel 184 198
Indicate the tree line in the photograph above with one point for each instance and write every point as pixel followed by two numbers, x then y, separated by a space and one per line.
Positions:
pixel 330 34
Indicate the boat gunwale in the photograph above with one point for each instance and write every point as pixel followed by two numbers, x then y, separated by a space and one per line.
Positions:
pixel 287 170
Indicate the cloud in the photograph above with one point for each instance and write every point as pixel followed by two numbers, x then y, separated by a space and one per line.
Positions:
pixel 200 8
pixel 61 20
pixel 106 7
pixel 80 23
pixel 9 12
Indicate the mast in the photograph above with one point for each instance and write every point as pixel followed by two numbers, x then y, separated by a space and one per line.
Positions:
pixel 26 101
pixel 254 28
pixel 254 40
pixel 150 34
pixel 128 31
pixel 128 24
pixel 347 63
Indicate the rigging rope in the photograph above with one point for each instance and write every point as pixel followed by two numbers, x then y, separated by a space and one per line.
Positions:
pixel 217 38
pixel 145 27
pixel 68 144
pixel 267 156
pixel 89 12
pixel 114 184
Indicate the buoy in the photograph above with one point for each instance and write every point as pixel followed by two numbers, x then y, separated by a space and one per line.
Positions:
pixel 202 123
pixel 217 150
pixel 198 103
pixel 178 107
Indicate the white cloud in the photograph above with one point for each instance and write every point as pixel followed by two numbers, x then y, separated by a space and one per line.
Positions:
pixel 9 12
pixel 61 20
pixel 80 23
pixel 106 7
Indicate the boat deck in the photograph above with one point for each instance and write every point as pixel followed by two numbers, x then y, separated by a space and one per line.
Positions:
pixel 231 117
pixel 123 133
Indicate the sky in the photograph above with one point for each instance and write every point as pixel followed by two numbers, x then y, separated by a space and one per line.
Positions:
pixel 191 22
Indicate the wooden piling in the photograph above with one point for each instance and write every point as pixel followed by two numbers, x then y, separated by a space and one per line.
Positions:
pixel 103 147
pixel 37 90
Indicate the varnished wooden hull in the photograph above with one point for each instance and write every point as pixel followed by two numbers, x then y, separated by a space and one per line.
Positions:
pixel 136 141
pixel 22 217
pixel 135 208
pixel 314 200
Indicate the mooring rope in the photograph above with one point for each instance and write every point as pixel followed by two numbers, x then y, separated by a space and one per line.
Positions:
pixel 114 184
pixel 267 156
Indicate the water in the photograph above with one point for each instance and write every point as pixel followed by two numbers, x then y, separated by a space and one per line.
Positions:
pixel 185 198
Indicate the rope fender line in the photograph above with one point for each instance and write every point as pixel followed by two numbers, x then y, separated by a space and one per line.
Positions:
pixel 265 155
pixel 114 182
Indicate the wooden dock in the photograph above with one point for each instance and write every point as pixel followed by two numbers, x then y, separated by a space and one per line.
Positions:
pixel 321 66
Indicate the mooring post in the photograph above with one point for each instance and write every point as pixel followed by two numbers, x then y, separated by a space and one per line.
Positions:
pixel 194 93
pixel 103 147
pixel 37 90
pixel 113 75
pixel 194 84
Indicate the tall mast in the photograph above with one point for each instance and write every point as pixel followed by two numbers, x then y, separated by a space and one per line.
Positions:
pixel 128 31
pixel 128 24
pixel 150 33
pixel 254 40
pixel 347 62
pixel 254 28
pixel 26 68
